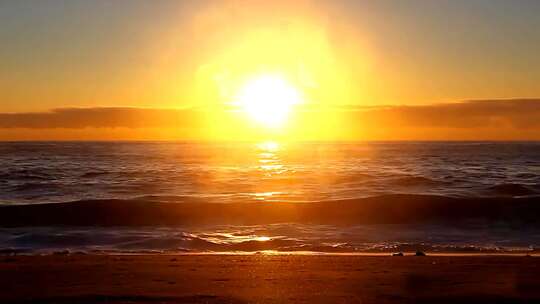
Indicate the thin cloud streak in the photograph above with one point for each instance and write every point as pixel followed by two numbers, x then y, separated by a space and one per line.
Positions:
pixel 515 113
pixel 117 117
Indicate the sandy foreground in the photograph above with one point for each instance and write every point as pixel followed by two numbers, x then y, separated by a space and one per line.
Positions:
pixel 269 279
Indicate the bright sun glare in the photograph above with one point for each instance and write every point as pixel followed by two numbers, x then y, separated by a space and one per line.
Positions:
pixel 268 100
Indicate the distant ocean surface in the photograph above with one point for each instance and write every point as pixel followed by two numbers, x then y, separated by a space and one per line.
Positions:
pixel 128 173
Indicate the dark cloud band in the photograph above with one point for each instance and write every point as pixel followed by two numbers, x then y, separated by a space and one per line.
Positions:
pixel 515 114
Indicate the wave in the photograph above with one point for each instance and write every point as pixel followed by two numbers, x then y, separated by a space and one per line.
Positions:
pixel 383 209
pixel 512 190
pixel 36 186
pixel 25 174
pixel 93 174
pixel 412 181
pixel 286 237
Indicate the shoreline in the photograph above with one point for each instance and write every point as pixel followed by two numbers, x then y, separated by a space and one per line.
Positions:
pixel 274 253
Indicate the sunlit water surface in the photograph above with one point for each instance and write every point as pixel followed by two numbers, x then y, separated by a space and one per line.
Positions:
pixel 51 172
pixel 59 172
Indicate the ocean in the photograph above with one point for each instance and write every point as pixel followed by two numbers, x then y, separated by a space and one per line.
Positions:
pixel 314 197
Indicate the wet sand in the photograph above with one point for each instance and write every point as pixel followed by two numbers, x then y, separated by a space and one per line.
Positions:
pixel 268 279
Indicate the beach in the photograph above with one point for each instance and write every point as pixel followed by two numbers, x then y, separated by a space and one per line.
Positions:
pixel 268 278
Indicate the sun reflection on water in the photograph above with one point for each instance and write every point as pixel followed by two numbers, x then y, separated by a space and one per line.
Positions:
pixel 269 146
pixel 262 239
pixel 270 166
pixel 269 160
pixel 234 237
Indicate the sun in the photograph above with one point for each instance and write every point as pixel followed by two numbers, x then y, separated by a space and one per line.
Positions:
pixel 268 100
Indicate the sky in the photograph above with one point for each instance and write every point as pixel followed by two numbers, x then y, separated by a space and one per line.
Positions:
pixel 352 61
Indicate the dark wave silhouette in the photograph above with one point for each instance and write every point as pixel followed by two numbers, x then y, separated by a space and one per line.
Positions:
pixel 384 209
pixel 512 189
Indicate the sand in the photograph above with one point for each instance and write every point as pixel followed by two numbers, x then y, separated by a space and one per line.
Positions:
pixel 268 279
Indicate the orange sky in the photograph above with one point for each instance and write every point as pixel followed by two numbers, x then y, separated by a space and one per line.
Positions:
pixel 366 70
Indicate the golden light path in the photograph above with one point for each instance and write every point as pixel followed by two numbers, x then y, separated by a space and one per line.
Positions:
pixel 268 99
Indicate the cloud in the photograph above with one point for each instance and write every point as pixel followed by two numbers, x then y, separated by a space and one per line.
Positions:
pixel 471 120
pixel 515 113
pixel 76 118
